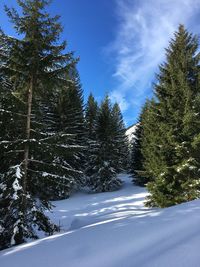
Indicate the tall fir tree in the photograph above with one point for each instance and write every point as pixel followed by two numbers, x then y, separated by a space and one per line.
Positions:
pixel 153 156
pixel 91 115
pixel 175 168
pixel 34 66
pixel 142 146
pixel 71 109
pixel 120 139
pixel 136 159
pixel 53 175
pixel 105 153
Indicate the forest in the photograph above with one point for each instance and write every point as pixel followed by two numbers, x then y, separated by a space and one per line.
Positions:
pixel 53 142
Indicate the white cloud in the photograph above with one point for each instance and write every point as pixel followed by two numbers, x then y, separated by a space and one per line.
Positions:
pixel 117 96
pixel 145 28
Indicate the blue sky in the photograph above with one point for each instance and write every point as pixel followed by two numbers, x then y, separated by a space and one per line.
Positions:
pixel 120 43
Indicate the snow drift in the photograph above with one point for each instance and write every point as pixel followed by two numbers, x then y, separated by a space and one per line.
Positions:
pixel 115 230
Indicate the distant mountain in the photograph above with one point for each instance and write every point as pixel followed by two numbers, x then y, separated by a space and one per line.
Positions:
pixel 130 132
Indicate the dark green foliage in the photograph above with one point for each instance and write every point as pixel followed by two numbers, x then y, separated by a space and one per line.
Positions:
pixel 72 122
pixel 50 169
pixel 142 147
pixel 150 152
pixel 91 112
pixel 105 154
pixel 33 69
pixel 136 159
pixel 91 115
pixel 174 161
pixel 120 139
pixel 16 224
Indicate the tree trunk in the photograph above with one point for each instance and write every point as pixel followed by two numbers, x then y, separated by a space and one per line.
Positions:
pixel 27 145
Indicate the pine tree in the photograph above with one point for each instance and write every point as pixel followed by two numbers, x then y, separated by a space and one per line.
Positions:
pixel 91 115
pixel 142 147
pixel 15 227
pixel 52 174
pixel 71 112
pixel 91 112
pixel 136 159
pixel 104 157
pixel 176 115
pixel 153 155
pixel 120 139
pixel 34 65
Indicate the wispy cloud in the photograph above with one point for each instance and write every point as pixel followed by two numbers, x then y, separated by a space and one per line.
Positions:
pixel 145 27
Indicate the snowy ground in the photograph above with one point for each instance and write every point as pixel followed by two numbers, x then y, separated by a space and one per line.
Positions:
pixel 114 230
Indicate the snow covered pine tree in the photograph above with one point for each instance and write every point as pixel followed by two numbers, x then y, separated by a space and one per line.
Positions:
pixel 33 66
pixel 105 152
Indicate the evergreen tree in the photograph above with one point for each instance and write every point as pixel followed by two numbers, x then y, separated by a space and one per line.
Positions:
pixel 34 65
pixel 71 112
pixel 120 139
pixel 91 112
pixel 153 155
pixel 136 159
pixel 176 115
pixel 105 153
pixel 52 174
pixel 15 227
pixel 142 147
pixel 91 115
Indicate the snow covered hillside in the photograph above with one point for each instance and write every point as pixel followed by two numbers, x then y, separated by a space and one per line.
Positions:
pixel 114 230
pixel 130 132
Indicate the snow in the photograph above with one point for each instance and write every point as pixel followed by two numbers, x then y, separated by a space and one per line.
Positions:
pixel 15 185
pixel 18 172
pixel 16 229
pixel 114 230
pixel 130 132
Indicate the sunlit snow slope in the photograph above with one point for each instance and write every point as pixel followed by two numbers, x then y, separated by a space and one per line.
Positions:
pixel 130 132
pixel 115 230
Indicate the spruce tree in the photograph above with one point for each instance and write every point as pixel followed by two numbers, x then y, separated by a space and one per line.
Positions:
pixel 153 155
pixel 120 139
pixel 34 66
pixel 104 177
pixel 53 176
pixel 136 161
pixel 71 110
pixel 136 158
pixel 91 112
pixel 91 115
pixel 142 147
pixel 176 115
